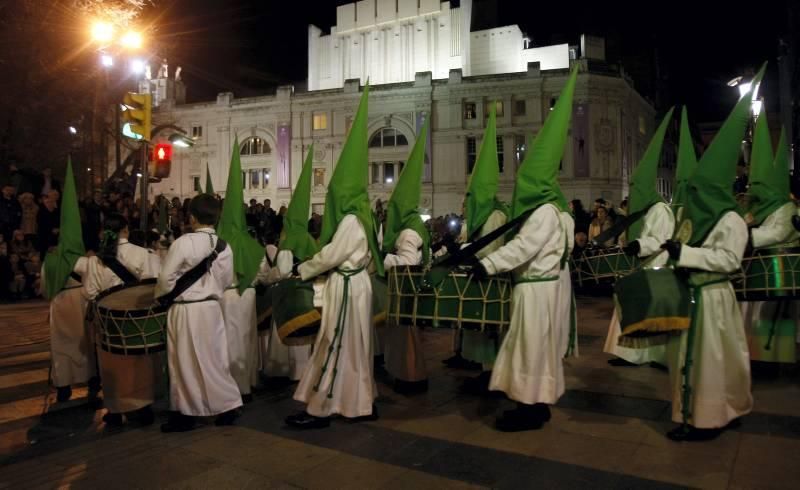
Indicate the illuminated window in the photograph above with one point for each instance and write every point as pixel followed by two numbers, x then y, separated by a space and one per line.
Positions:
pixel 387 138
pixel 196 183
pixel 197 131
pixel 320 121
pixel 319 177
pixel 389 176
pixel 498 105
pixel 376 173
pixel 255 146
pixel 266 177
pixel 469 110
pixel 472 153
pixel 519 108
pixel 500 153
pixel 520 148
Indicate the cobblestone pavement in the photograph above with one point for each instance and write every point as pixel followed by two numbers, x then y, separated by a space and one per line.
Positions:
pixel 606 432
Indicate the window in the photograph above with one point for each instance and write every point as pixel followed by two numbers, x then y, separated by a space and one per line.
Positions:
pixel 266 177
pixel 255 178
pixel 472 153
pixel 319 177
pixel 500 153
pixel 389 176
pixel 255 146
pixel 196 183
pixel 469 110
pixel 387 138
pixel 320 121
pixel 498 104
pixel 519 107
pixel 197 131
pixel 375 173
pixel 552 103
pixel 520 148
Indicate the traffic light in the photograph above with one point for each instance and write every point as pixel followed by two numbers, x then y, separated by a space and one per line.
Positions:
pixel 162 158
pixel 137 114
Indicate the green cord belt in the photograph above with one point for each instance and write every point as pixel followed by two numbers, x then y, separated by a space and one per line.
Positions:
pixel 338 331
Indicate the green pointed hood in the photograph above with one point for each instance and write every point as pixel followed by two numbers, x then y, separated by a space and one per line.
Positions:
pixel 537 177
pixel 687 163
pixel 710 190
pixel 232 227
pixel 59 264
pixel 209 184
pixel 768 183
pixel 295 235
pixel 402 209
pixel 482 187
pixel 643 188
pixel 347 191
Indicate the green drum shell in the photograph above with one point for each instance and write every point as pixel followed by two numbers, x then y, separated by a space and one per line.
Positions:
pixel 458 302
pixel 296 318
pixel 380 299
pixel 603 266
pixel 770 274
pixel 263 308
pixel 134 331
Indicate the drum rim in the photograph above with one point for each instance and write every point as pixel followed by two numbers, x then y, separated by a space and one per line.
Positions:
pixel 760 252
pixel 155 308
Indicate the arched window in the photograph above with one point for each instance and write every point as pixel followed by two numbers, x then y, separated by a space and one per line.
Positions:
pixel 255 146
pixel 387 138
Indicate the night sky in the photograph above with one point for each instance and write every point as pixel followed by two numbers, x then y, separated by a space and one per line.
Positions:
pixel 684 52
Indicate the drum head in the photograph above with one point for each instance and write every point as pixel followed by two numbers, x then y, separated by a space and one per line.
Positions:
pixel 139 297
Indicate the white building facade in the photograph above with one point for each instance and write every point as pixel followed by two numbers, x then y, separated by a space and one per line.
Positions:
pixel 417 74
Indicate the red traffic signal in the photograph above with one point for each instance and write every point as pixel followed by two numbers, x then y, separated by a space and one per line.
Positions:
pixel 162 157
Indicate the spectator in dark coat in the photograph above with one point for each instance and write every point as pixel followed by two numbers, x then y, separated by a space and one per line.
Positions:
pixel 10 212
pixel 48 222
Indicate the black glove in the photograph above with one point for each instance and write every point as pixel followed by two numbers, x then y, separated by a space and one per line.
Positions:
pixel 673 247
pixel 452 246
pixel 478 272
pixel 294 269
pixel 632 248
pixel 796 222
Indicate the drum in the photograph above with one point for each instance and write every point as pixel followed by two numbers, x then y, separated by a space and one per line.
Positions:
pixel 459 301
pixel 603 266
pixel 652 304
pixel 296 318
pixel 769 274
pixel 263 308
pixel 380 294
pixel 129 321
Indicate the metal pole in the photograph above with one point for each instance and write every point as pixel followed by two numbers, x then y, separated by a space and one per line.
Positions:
pixel 145 179
pixel 117 137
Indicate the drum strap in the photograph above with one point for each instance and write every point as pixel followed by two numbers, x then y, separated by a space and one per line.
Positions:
pixel 535 279
pixel 338 331
pixel 75 276
pixel 120 270
pixel 193 275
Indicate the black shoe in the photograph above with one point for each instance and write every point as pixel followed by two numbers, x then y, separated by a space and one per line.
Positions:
pixel 478 386
pixel 95 401
pixel 620 362
pixel 247 398
pixel 178 423
pixel 143 416
pixel 659 366
pixel 226 418
pixel 304 420
pixel 518 420
pixel 542 411
pixel 276 383
pixel 63 393
pixel 687 433
pixel 113 419
pixel 458 362
pixel 367 418
pixel 410 387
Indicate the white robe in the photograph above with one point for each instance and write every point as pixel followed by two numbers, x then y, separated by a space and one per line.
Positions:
pixel 720 374
pixel 658 227
pixel 529 365
pixel 775 230
pixel 567 315
pixel 479 346
pixel 72 350
pixel 241 328
pixel 197 347
pixel 277 359
pixel 405 359
pixel 129 382
pixel 353 391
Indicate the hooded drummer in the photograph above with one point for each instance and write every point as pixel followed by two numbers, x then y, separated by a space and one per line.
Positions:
pixel 771 326
pixel 645 236
pixel 339 377
pixel 407 243
pixel 529 365
pixel 708 363
pixel 72 349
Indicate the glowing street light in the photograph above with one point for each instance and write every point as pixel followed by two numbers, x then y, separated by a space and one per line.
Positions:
pixel 137 66
pixel 102 31
pixel 106 60
pixel 131 40
pixel 72 130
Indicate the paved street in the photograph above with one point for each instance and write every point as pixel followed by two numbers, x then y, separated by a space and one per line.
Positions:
pixel 606 432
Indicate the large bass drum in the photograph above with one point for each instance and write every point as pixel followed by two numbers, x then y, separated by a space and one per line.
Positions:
pixel 769 274
pixel 129 321
pixel 598 266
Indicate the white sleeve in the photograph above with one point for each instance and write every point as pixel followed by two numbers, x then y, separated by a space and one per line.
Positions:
pixel 723 249
pixel 659 224
pixel 170 268
pixel 267 274
pixel 407 248
pixel 349 236
pixel 537 230
pixel 777 228
pixel 495 221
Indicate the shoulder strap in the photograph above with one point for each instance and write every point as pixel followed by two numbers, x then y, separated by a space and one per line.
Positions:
pixel 120 270
pixel 194 274
pixel 74 275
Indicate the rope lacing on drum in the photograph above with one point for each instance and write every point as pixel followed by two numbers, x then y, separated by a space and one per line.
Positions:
pixel 337 332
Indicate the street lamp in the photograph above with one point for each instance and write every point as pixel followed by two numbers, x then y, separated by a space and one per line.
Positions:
pixel 72 130
pixel 107 60
pixel 181 140
pixel 131 40
pixel 137 66
pixel 102 31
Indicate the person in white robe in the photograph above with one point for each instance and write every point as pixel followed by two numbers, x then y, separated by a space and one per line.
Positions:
pixel 567 311
pixel 197 347
pixel 129 381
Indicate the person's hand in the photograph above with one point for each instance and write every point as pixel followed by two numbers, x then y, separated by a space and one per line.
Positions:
pixel 294 269
pixel 632 248
pixel 748 218
pixel 673 247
